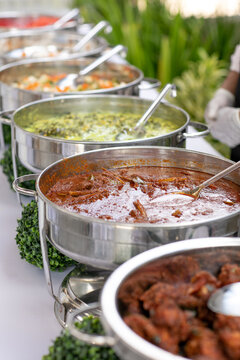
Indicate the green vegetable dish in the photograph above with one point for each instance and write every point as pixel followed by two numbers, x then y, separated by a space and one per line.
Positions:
pixel 97 126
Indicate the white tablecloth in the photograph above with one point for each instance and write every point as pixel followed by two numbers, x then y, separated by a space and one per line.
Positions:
pixel 28 324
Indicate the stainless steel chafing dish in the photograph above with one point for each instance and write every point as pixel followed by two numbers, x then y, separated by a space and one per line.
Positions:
pixel 106 244
pixel 127 344
pixel 16 20
pixel 37 152
pixel 13 97
pixel 54 43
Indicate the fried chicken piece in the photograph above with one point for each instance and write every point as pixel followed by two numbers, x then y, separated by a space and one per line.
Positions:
pixel 231 343
pixel 202 343
pixel 170 316
pixel 132 289
pixel 228 328
pixel 203 284
pixel 179 293
pixel 229 274
pixel 159 336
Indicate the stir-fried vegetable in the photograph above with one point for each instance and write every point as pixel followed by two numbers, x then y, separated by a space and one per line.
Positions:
pixel 95 126
pixel 49 82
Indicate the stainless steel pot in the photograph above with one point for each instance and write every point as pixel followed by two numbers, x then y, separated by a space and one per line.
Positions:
pixel 13 97
pixel 15 47
pixel 128 345
pixel 16 20
pixel 36 152
pixel 106 244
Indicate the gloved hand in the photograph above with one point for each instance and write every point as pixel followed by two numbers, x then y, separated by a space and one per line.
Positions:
pixel 221 99
pixel 226 128
pixel 235 60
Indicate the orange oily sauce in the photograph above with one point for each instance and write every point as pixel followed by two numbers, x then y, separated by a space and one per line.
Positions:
pixel 138 195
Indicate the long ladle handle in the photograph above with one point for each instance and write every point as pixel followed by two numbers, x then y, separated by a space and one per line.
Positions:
pixel 218 176
pixel 102 59
pixel 154 105
pixel 65 18
pixel 94 31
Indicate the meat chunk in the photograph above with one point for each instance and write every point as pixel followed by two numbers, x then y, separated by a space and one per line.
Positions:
pixel 159 336
pixel 161 290
pixel 231 343
pixel 170 316
pixel 229 274
pixel 204 343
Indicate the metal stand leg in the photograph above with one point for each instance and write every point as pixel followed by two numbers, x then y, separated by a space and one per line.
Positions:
pixel 2 142
pixel 44 247
pixel 14 162
pixel 77 289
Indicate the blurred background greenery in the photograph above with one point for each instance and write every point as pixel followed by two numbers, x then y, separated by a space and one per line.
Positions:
pixel 193 52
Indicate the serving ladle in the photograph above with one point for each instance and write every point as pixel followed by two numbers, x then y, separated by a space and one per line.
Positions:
pixel 65 18
pixel 29 51
pixel 72 80
pixel 93 32
pixel 194 192
pixel 139 127
pixel 226 300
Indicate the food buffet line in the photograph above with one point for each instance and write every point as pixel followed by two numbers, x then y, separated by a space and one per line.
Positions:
pixel 43 115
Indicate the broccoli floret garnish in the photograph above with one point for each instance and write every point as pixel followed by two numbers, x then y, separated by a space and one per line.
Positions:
pixel 66 347
pixel 7 167
pixel 28 242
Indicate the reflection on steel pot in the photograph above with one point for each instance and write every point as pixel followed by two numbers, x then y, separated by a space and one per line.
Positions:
pixel 106 244
pixel 128 76
pixel 37 151
pixel 59 43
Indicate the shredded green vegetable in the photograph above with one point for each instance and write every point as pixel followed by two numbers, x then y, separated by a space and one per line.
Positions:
pixel 97 126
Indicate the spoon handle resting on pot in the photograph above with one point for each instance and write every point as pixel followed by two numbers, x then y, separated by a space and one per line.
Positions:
pixel 65 18
pixel 71 80
pixel 195 191
pixel 117 49
pixel 154 105
pixel 94 31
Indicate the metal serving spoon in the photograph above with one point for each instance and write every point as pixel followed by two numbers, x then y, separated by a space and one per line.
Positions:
pixel 142 121
pixel 72 80
pixel 196 190
pixel 226 300
pixel 193 194
pixel 94 31
pixel 65 18
pixel 42 51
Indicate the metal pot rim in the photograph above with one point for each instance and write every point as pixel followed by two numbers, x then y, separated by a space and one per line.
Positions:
pixel 110 315
pixel 101 43
pixel 178 226
pixel 33 32
pixel 122 97
pixel 54 60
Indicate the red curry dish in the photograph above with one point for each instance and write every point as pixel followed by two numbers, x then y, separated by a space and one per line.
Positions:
pixel 166 303
pixel 138 195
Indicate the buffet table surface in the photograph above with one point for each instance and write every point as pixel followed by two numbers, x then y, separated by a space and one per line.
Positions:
pixel 28 324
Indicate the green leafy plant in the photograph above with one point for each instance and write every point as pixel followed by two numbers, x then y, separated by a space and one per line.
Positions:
pixel 196 87
pixel 28 242
pixel 7 167
pixel 7 134
pixel 66 347
pixel 198 83
pixel 159 43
